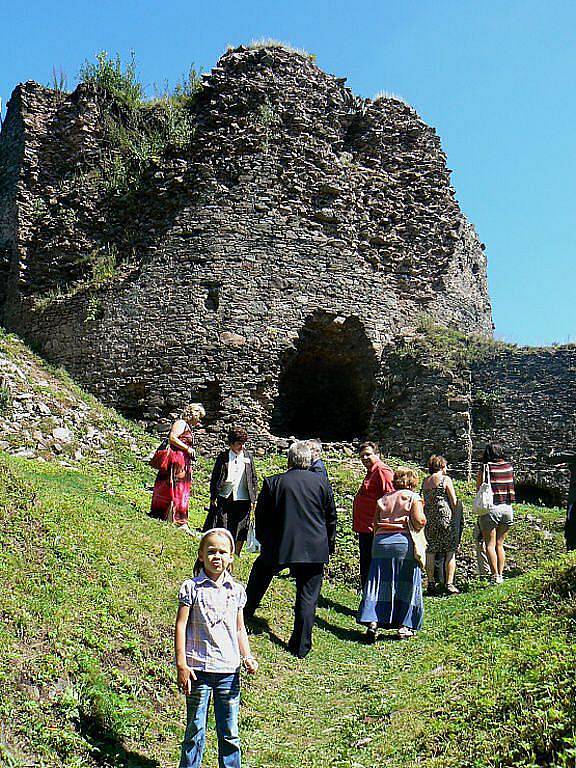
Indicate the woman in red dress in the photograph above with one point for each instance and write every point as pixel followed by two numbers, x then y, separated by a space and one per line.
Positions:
pixel 171 494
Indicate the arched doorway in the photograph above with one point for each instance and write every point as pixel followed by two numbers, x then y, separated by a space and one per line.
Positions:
pixel 326 385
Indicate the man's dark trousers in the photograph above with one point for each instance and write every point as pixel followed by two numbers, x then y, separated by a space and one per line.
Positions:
pixel 308 585
pixel 365 542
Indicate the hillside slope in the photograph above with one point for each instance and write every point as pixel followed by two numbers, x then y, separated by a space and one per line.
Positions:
pixel 87 595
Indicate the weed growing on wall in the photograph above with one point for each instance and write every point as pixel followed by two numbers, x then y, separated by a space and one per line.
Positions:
pixel 267 119
pixel 59 81
pixel 109 74
pixel 441 347
pixel 103 264
pixel 139 133
pixel 270 42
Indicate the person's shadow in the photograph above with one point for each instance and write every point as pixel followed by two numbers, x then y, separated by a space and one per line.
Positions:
pixel 342 633
pixel 258 626
pixel 326 602
pixel 107 748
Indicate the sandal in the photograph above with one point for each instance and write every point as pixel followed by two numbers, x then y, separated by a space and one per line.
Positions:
pixel 370 636
pixel 452 589
pixel 405 632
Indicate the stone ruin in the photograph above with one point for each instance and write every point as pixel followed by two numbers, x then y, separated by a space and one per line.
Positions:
pixel 277 266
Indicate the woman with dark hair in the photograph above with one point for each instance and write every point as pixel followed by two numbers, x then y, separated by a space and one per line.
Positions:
pixel 496 523
pixel 443 523
pixel 233 488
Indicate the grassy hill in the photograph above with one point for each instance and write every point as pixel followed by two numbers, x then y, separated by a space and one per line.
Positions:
pixel 87 595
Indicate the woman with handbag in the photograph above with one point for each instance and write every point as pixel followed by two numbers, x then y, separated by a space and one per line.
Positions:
pixel 173 459
pixel 392 596
pixel 497 475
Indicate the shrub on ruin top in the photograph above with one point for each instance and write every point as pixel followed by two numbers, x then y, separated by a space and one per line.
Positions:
pixel 109 74
pixel 141 132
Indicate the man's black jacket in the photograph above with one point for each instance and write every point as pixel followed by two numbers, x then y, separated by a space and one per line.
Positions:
pixel 296 518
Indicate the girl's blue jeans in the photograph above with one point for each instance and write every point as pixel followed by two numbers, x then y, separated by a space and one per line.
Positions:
pixel 225 688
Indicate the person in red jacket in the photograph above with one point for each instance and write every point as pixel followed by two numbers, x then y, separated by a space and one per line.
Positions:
pixel 377 483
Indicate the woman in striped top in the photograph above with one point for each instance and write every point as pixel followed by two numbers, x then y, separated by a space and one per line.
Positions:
pixel 496 523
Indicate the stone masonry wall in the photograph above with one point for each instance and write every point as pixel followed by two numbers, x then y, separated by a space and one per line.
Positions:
pixel 424 409
pixel 302 226
pixel 525 398
pixel 11 160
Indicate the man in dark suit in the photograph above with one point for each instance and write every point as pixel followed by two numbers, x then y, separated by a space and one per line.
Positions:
pixel 317 465
pixel 296 526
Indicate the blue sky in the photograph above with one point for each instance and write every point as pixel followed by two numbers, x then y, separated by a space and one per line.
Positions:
pixel 494 77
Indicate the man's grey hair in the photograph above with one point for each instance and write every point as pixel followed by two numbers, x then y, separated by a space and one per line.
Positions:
pixel 300 455
pixel 315 447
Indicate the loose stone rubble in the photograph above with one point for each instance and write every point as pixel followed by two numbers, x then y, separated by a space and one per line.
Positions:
pixel 42 417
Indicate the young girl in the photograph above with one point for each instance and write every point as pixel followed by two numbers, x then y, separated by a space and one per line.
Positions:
pixel 210 640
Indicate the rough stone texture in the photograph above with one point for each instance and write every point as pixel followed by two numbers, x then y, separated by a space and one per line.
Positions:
pixel 45 417
pixel 432 401
pixel 270 270
pixel 424 409
pixel 274 262
pixel 273 269
pixel 525 398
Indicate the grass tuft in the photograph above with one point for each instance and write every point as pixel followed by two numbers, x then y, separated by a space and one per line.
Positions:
pixel 270 42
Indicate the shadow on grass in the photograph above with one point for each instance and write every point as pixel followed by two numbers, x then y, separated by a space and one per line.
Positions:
pixel 258 626
pixel 326 602
pixel 342 633
pixel 107 749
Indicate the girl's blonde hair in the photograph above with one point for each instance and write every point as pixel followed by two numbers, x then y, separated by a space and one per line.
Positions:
pixel 405 479
pixel 198 565
pixel 193 411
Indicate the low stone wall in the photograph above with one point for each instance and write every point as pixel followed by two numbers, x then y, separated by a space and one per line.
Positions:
pixel 525 399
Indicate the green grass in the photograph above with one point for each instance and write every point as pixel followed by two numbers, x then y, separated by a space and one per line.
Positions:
pixel 87 593
pixel 88 588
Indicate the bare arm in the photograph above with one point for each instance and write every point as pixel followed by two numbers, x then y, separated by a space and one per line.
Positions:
pixel 451 493
pixel 479 478
pixel 174 438
pixel 185 673
pixel 417 516
pixel 249 661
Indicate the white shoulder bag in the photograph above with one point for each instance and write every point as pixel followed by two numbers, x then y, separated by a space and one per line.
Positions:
pixel 252 543
pixel 484 499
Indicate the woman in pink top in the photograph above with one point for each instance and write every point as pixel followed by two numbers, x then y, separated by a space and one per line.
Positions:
pixel 392 596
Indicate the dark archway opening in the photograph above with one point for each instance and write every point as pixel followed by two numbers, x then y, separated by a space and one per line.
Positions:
pixel 542 496
pixel 132 400
pixel 326 386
